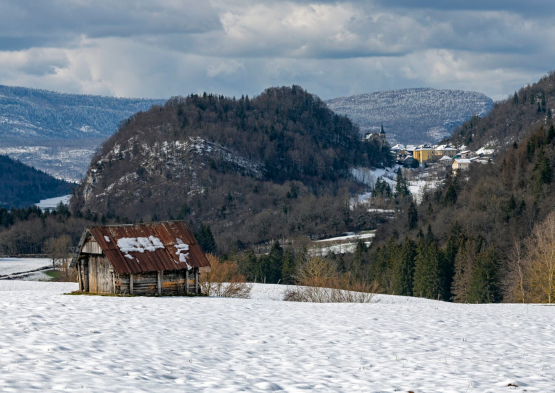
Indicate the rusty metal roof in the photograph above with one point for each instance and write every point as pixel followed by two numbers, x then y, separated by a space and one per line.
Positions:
pixel 167 258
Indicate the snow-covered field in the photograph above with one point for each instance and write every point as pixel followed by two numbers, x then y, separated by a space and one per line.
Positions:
pixel 10 266
pixel 52 203
pixel 113 344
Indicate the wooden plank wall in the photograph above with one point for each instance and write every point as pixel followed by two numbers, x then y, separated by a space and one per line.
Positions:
pixel 101 276
pixel 146 284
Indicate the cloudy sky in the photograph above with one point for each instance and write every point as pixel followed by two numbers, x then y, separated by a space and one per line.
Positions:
pixel 160 48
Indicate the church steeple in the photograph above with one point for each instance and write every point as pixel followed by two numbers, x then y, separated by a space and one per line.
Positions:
pixel 383 137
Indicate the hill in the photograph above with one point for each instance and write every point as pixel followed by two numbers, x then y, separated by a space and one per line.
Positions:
pixel 31 114
pixel 57 132
pixel 474 237
pixel 21 185
pixel 271 167
pixel 512 119
pixel 412 115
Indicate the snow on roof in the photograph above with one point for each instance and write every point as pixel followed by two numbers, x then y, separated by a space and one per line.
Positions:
pixel 463 160
pixel 410 147
pixel 160 246
pixel 445 158
pixel 398 147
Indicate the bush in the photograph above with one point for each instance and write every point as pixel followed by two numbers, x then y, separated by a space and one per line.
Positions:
pixel 318 281
pixel 223 279
pixel 67 273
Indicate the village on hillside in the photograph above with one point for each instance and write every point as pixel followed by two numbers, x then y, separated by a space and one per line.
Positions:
pixel 423 166
pixel 445 158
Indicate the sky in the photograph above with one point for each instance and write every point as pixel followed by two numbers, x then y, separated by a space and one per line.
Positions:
pixel 163 48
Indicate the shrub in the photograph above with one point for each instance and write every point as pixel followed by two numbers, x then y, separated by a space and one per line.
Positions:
pixel 318 281
pixel 223 279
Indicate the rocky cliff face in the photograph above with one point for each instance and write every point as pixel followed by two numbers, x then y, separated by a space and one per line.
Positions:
pixel 173 164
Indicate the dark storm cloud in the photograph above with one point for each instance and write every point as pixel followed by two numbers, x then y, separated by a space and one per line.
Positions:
pixel 525 7
pixel 25 24
pixel 159 48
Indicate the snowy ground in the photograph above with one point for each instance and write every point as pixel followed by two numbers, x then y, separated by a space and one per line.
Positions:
pixel 369 177
pixel 52 203
pixel 15 266
pixel 345 244
pixel 112 344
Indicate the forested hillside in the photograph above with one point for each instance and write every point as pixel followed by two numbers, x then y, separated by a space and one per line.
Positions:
pixel 412 115
pixel 481 236
pixel 27 114
pixel 271 167
pixel 21 185
pixel 58 133
pixel 512 119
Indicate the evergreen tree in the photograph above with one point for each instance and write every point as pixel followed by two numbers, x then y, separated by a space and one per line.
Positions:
pixel 450 195
pixel 275 267
pixel 248 265
pixel 206 239
pixel 457 239
pixel 428 278
pixel 401 186
pixel 412 216
pixel 359 259
pixel 288 269
pixel 465 262
pixel 380 267
pixel 550 134
pixel 381 189
pixel 542 173
pixel 403 269
pixel 484 284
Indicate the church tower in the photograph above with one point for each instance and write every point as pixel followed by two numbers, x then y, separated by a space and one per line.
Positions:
pixel 383 136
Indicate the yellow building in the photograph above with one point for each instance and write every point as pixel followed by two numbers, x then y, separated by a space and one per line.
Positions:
pixel 423 154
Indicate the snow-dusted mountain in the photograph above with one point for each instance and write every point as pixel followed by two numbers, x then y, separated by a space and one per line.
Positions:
pixel 57 132
pixel 412 115
pixel 30 113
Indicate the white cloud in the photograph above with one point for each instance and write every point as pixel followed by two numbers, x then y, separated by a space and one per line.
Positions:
pixel 224 68
pixel 167 47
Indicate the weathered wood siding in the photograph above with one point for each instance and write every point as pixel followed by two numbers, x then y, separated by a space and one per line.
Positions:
pixel 92 247
pixel 100 275
pixel 173 283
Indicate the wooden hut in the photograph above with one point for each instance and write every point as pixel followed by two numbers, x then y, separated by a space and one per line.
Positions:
pixel 161 258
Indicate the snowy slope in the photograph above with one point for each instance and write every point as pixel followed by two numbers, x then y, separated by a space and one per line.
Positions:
pixel 58 133
pixel 111 344
pixel 52 203
pixel 412 115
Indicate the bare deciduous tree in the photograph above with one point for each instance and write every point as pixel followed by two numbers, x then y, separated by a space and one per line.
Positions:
pixel 541 260
pixel 516 281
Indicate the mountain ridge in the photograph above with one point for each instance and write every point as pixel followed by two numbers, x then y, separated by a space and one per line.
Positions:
pixel 414 115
